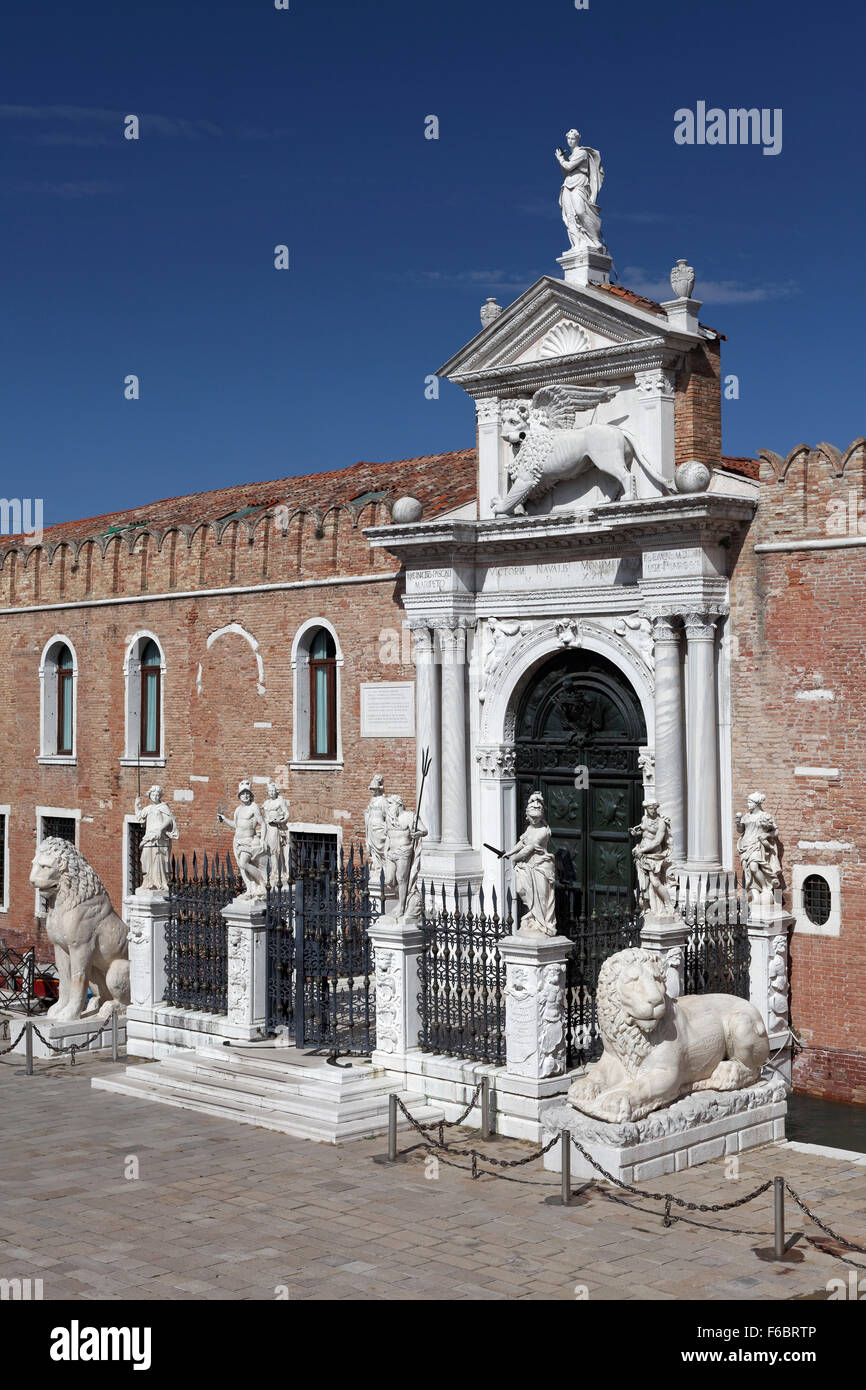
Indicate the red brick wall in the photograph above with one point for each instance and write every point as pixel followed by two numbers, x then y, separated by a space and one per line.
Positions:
pixel 798 623
pixel 208 734
pixel 698 406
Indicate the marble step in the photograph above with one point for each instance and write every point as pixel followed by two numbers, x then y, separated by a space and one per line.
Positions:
pixel 312 1103
pixel 322 1080
pixel 326 1124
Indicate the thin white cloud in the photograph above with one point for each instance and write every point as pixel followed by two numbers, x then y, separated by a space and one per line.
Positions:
pixel 98 119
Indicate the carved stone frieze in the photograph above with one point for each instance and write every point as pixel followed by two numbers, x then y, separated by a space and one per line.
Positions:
pixel 498 761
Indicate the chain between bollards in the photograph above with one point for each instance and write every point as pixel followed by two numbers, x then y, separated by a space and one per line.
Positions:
pixel 779 1218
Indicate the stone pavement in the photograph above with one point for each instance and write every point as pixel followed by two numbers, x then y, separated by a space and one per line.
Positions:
pixel 226 1211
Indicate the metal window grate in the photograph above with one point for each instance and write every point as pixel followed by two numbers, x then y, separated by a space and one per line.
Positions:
pixel 817 899
pixel 59 827
pixel 2 860
pixel 135 835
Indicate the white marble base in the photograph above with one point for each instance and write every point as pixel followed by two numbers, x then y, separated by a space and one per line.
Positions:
pixel 159 1030
pixel 700 1127
pixel 273 1087
pixel 517 1103
pixel 84 1032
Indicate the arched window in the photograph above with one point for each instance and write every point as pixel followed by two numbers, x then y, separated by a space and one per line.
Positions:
pixel 317 662
pixel 65 702
pixel 58 675
pixel 323 695
pixel 151 679
pixel 143 671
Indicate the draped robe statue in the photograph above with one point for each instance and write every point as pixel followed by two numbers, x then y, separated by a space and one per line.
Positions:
pixel 580 189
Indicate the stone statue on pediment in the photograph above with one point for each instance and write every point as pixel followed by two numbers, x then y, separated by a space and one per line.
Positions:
pixel 653 858
pixel 578 196
pixel 758 848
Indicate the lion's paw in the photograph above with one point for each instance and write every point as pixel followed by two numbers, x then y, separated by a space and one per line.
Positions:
pixel 615 1107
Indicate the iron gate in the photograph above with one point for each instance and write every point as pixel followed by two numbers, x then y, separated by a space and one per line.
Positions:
pixel 321 984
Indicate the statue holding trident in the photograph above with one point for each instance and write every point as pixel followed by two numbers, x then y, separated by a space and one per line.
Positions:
pixel 579 193
pixel 402 852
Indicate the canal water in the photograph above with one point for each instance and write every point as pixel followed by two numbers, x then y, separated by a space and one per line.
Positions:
pixel 830 1122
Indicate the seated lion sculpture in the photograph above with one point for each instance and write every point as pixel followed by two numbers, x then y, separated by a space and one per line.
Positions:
pixel 657 1049
pixel 88 936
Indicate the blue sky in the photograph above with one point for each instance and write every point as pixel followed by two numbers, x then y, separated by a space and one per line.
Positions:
pixel 306 127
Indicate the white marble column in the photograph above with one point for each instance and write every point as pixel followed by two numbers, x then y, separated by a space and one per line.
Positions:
pixel 427 727
pixel 455 798
pixel 669 767
pixel 704 837
pixel 489 453
pixel 657 395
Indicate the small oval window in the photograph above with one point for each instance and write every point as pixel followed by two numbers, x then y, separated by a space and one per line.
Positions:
pixel 817 899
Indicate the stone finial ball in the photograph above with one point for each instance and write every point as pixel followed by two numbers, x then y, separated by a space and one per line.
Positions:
pixel 692 476
pixel 406 509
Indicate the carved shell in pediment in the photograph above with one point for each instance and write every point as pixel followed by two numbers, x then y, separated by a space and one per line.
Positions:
pixel 564 339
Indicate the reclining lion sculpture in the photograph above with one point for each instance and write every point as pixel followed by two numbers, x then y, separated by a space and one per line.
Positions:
pixel 657 1049
pixel 89 939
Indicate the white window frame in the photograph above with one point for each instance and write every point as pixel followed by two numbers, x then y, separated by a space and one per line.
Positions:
pixel 5 812
pixel 127 888
pixel 301 760
pixel 833 874
pixel 41 813
pixel 48 712
pixel 132 702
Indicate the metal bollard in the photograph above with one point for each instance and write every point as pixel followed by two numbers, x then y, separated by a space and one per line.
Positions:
pixel 565 1154
pixel 486 1131
pixel 28 1047
pixel 779 1218
pixel 392 1128
pixel 115 1039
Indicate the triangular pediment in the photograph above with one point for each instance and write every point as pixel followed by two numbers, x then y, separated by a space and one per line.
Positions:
pixel 551 320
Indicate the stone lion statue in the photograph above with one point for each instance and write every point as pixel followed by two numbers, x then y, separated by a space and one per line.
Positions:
pixel 88 936
pixel 551 448
pixel 657 1049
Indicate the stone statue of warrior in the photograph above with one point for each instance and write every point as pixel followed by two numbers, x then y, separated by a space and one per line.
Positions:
pixel 375 825
pixel 248 824
pixel 580 189
pixel 758 849
pixel 403 835
pixel 160 828
pixel 535 871
pixel 653 859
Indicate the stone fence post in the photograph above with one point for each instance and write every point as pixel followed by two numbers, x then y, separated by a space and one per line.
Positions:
pixel 247 967
pixel 769 932
pixel 667 937
pixel 535 1004
pixel 397 948
pixel 146 914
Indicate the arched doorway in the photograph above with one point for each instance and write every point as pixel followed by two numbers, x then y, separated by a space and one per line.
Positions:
pixel 578 735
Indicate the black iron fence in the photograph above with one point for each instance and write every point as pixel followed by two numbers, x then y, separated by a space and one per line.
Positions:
pixel 462 975
pixel 716 957
pixel 196 958
pixel 23 984
pixel 596 935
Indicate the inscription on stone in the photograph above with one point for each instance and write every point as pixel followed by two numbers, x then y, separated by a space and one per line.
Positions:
pixel 565 574
pixel 388 709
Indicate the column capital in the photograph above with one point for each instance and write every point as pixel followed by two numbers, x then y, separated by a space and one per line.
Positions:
pixel 666 626
pixel 422 638
pixel 487 410
pixel 496 760
pixel 700 627
pixel 655 381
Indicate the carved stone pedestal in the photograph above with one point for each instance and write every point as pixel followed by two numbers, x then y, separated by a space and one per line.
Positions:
pixel 667 937
pixel 769 929
pixel 535 1011
pixel 397 952
pixel 247 968
pixel 700 1127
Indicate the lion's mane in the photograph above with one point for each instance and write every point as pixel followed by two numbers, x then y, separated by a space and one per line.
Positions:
pixel 620 1034
pixel 79 883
